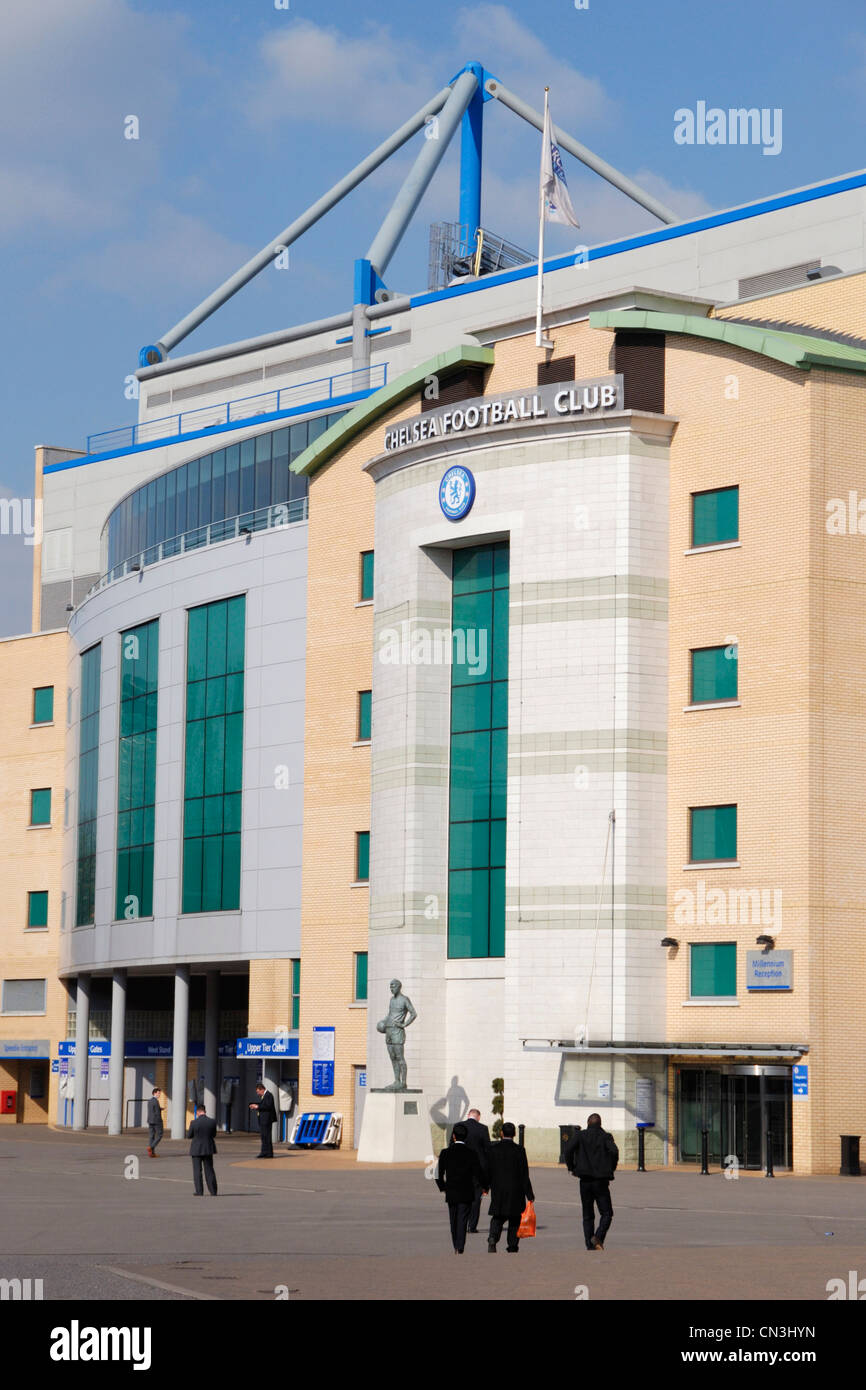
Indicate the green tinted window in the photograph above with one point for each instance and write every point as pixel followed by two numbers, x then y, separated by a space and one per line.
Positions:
pixel 360 975
pixel 479 752
pixel 713 833
pixel 136 770
pixel 366 575
pixel 213 758
pixel 713 970
pixel 714 674
pixel 88 775
pixel 362 856
pixel 365 706
pixel 716 516
pixel 40 806
pixel 43 704
pixel 37 909
pixel 296 993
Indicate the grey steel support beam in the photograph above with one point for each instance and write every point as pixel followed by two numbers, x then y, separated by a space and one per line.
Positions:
pixel 586 156
pixel 179 1051
pixel 211 1043
pixel 118 1048
pixel 388 237
pixel 304 222
pixel 82 1052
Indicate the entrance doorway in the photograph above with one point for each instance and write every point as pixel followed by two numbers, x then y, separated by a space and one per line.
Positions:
pixel 737 1106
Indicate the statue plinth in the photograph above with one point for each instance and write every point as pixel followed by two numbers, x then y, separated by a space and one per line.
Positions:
pixel 395 1127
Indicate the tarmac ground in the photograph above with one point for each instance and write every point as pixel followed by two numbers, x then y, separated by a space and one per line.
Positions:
pixel 96 1219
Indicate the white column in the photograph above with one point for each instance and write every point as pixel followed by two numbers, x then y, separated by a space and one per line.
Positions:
pixel 82 1052
pixel 118 1047
pixel 179 1051
pixel 211 1044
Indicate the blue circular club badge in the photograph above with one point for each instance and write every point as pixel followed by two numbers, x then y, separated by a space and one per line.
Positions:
pixel 456 492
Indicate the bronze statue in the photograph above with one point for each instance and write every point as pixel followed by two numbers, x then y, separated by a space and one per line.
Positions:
pixel 400 1014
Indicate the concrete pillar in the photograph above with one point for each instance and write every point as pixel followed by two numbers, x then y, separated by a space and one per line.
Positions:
pixel 118 1048
pixel 211 1044
pixel 82 1052
pixel 180 1048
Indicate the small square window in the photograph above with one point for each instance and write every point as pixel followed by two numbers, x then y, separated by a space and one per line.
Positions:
pixel 713 833
pixel 365 709
pixel 360 976
pixel 366 575
pixel 362 856
pixel 716 516
pixel 713 970
pixel 40 806
pixel 714 674
pixel 37 909
pixel 43 704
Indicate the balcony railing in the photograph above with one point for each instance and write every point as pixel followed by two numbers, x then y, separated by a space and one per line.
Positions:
pixel 323 389
pixel 275 516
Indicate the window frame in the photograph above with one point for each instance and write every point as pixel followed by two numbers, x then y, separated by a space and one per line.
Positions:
pixel 31 894
pixel 40 723
pixel 704 945
pixel 360 736
pixel 356 958
pixel 34 791
pixel 714 699
pixel 706 492
pixel 24 1013
pixel 714 859
pixel 363 596
pixel 361 836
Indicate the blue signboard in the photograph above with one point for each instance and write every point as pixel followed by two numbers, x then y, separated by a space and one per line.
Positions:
pixel 143 1047
pixel 267 1045
pixel 323 1061
pixel 55 1066
pixel 801 1080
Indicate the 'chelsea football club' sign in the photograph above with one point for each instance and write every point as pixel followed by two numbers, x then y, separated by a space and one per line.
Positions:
pixel 456 492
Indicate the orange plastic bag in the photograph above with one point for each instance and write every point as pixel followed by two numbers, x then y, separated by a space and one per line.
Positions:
pixel 527 1222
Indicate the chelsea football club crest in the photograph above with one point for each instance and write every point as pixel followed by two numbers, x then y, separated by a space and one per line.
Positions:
pixel 456 492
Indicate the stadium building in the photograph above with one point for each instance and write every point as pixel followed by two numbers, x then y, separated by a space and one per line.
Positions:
pixel 403 646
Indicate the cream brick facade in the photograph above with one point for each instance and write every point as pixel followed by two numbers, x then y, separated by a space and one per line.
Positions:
pixel 30 860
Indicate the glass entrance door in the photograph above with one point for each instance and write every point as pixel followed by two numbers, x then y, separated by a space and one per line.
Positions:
pixel 737 1106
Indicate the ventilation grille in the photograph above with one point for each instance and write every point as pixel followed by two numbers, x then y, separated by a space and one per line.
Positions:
pixel 776 279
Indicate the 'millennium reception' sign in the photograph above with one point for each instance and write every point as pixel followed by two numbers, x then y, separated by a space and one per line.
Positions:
pixel 575 399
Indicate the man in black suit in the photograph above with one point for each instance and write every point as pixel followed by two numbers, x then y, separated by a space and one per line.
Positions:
pixel 459 1171
pixel 267 1117
pixel 478 1139
pixel 592 1156
pixel 202 1149
pixel 510 1189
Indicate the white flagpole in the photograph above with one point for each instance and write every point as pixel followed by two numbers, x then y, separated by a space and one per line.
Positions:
pixel 540 340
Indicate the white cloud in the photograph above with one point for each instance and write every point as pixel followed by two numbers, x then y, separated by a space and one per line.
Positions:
pixel 175 251
pixel 323 77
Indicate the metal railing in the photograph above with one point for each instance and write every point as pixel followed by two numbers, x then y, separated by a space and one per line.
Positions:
pixel 320 390
pixel 272 517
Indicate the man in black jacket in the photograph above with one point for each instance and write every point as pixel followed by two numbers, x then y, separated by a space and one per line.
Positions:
pixel 510 1189
pixel 478 1139
pixel 458 1174
pixel 592 1156
pixel 154 1120
pixel 267 1117
pixel 202 1149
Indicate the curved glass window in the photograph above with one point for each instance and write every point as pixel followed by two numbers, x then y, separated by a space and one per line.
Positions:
pixel 219 486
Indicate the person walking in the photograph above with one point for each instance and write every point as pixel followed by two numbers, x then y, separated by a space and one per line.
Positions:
pixel 592 1156
pixel 267 1117
pixel 458 1174
pixel 510 1189
pixel 202 1149
pixel 154 1121
pixel 478 1139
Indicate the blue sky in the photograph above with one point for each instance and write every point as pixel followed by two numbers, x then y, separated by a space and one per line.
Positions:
pixel 247 113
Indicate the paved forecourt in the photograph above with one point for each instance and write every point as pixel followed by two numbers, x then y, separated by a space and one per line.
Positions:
pixel 321 1226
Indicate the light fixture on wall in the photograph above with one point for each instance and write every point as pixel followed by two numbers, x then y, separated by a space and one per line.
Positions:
pixel 669 941
pixel 768 942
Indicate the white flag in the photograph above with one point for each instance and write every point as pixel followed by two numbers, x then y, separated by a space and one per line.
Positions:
pixel 554 190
